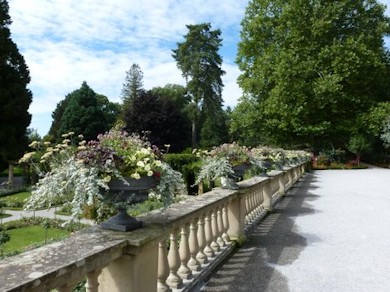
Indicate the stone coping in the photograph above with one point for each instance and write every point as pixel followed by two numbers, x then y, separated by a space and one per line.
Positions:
pixel 84 251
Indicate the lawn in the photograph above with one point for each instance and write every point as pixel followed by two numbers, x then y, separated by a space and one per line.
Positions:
pixel 15 201
pixel 4 215
pixel 30 235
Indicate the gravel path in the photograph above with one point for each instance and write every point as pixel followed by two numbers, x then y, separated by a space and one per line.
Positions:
pixel 330 233
pixel 50 213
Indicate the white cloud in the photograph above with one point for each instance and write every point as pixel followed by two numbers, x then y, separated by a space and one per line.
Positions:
pixel 66 42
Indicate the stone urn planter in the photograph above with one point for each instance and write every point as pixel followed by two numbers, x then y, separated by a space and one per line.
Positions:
pixel 135 191
pixel 229 181
pixel 267 164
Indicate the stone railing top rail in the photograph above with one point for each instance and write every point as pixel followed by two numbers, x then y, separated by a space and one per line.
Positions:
pixel 81 253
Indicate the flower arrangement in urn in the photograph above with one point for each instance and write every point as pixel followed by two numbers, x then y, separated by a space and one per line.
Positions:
pixel 227 161
pixel 84 174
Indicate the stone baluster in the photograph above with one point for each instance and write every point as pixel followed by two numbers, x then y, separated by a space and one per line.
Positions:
pixel 253 203
pixel 201 235
pixel 221 230
pixel 225 220
pixel 209 236
pixel 257 202
pixel 193 263
pixel 173 279
pixel 92 284
pixel 282 187
pixel 163 267
pixel 249 213
pixel 184 252
pixel 214 227
pixel 246 200
pixel 267 203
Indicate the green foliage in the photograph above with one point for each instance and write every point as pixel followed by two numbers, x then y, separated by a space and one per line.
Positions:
pixel 160 119
pixel 214 130
pixel 4 238
pixel 358 144
pixel 84 114
pixel 54 132
pixel 304 67
pixel 11 191
pixel 328 156
pixel 15 97
pixel 177 93
pixel 372 121
pixel 198 59
pixel 386 132
pixel 188 164
pixel 133 85
pixel 15 200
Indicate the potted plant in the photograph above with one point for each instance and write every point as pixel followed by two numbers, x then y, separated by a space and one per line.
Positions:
pixel 227 161
pixel 116 169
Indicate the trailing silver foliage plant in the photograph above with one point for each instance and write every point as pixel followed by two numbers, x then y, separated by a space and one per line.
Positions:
pixel 212 168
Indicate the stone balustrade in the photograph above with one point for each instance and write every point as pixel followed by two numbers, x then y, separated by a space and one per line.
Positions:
pixel 174 251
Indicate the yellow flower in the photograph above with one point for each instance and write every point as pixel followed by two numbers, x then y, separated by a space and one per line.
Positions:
pixel 150 173
pixel 26 157
pixel 158 163
pixel 33 144
pixel 140 164
pixel 136 175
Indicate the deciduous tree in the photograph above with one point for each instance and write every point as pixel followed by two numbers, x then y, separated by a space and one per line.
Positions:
pixel 159 117
pixel 312 67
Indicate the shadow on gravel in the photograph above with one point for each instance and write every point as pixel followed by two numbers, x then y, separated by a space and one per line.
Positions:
pixel 276 241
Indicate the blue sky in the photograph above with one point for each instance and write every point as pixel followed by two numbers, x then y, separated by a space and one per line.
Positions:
pixel 66 42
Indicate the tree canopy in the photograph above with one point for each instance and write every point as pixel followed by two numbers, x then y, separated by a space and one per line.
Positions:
pixel 15 97
pixel 132 87
pixel 199 60
pixel 83 114
pixel 160 118
pixel 305 66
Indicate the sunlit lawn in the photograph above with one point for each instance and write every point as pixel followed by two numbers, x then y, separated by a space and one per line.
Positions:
pixel 26 236
pixel 16 199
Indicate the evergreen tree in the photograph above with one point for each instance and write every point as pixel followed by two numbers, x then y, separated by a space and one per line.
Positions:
pixel 198 59
pixel 132 87
pixel 15 98
pixel 109 109
pixel 54 132
pixel 311 67
pixel 84 115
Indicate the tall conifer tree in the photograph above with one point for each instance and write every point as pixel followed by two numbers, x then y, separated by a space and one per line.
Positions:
pixel 15 97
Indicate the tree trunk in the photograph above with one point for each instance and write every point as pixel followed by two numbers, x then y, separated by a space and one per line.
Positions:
pixel 10 174
pixel 193 137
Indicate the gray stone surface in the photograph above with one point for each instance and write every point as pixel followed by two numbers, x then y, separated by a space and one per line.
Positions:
pixel 330 233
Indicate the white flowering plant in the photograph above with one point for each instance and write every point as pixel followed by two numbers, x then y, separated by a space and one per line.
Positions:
pixel 81 174
pixel 223 161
